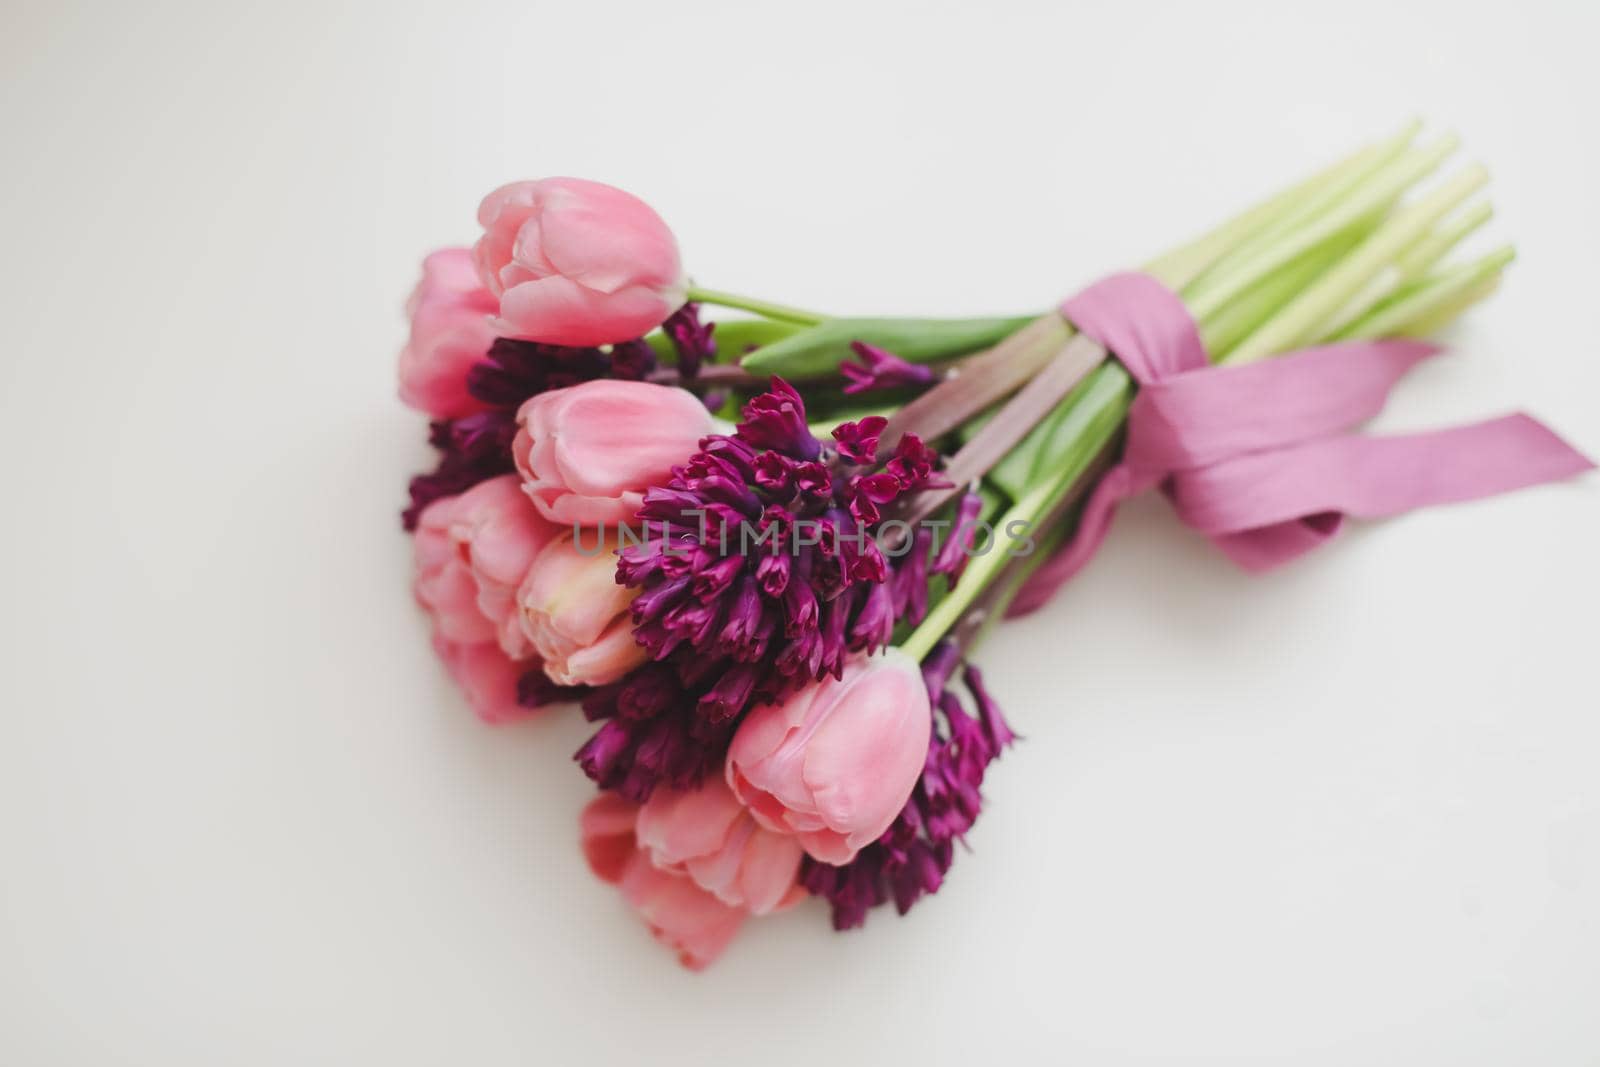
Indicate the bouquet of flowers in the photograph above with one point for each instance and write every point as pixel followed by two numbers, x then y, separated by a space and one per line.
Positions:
pixel 759 550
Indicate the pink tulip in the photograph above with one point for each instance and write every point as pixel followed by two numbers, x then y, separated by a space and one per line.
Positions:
pixel 834 763
pixel 487 677
pixel 681 915
pixel 575 615
pixel 450 331
pixel 575 262
pixel 587 453
pixel 708 835
pixel 472 553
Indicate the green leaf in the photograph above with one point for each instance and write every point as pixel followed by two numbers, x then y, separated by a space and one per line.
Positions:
pixel 818 350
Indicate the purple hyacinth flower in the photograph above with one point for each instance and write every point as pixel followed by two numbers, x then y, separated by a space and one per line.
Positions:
pixel 760 572
pixel 632 361
pixel 858 441
pixel 880 369
pixel 777 420
pixel 691 338
pixel 535 690
pixel 953 552
pixel 472 449
pixel 994 723
pixel 938 666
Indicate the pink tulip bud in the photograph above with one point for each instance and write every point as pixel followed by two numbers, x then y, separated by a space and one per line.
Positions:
pixel 681 915
pixel 450 331
pixel 588 452
pixel 472 553
pixel 835 763
pixel 575 615
pixel 707 834
pixel 576 262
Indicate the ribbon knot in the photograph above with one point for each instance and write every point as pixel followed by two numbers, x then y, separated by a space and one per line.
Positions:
pixel 1259 457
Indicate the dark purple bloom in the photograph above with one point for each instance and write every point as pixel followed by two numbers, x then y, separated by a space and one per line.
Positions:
pixel 513 371
pixel 938 666
pixel 994 723
pixel 777 420
pixel 760 573
pixel 858 441
pixel 852 890
pixel 909 583
pixel 535 690
pixel 813 479
pixel 880 369
pixel 914 464
pixel 649 734
pixel 874 623
pixel 632 361
pixel 691 338
pixel 472 449
pixel 952 556
pixel 913 856
pixel 775 472
pixel 866 492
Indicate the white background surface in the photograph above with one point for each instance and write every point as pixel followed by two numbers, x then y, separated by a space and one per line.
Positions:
pixel 1348 813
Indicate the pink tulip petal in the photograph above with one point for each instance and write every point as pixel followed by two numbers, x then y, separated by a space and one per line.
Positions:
pixel 560 311
pixel 486 677
pixel 680 914
pixel 611 656
pixel 606 832
pixel 770 865
pixel 605 238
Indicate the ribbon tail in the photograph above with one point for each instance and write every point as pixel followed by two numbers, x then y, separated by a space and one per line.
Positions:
pixel 1093 524
pixel 1267 508
pixel 1204 416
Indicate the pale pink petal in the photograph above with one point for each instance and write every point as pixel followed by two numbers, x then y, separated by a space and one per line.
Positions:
pixel 681 915
pixel 486 677
pixel 605 238
pixel 560 311
pixel 862 764
pixel 677 825
pixel 607 660
pixel 606 833
pixel 769 868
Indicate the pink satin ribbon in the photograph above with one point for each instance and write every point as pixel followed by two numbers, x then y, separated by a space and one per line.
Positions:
pixel 1259 457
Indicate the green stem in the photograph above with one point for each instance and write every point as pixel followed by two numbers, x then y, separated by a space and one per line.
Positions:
pixel 1180 267
pixel 1096 414
pixel 1314 306
pixel 1443 293
pixel 1422 256
pixel 982 569
pixel 1374 194
pixel 764 308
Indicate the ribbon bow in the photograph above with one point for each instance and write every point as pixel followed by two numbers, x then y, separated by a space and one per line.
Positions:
pixel 1259 457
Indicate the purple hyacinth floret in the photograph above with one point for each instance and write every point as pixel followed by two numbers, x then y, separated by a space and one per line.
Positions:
pixel 535 690
pixel 957 547
pixel 776 420
pixel 880 369
pixel 512 371
pixel 650 735
pixel 472 449
pixel 759 572
pixel 913 856
pixel 691 338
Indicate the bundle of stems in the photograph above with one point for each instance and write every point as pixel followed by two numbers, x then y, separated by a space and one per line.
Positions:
pixel 1356 251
